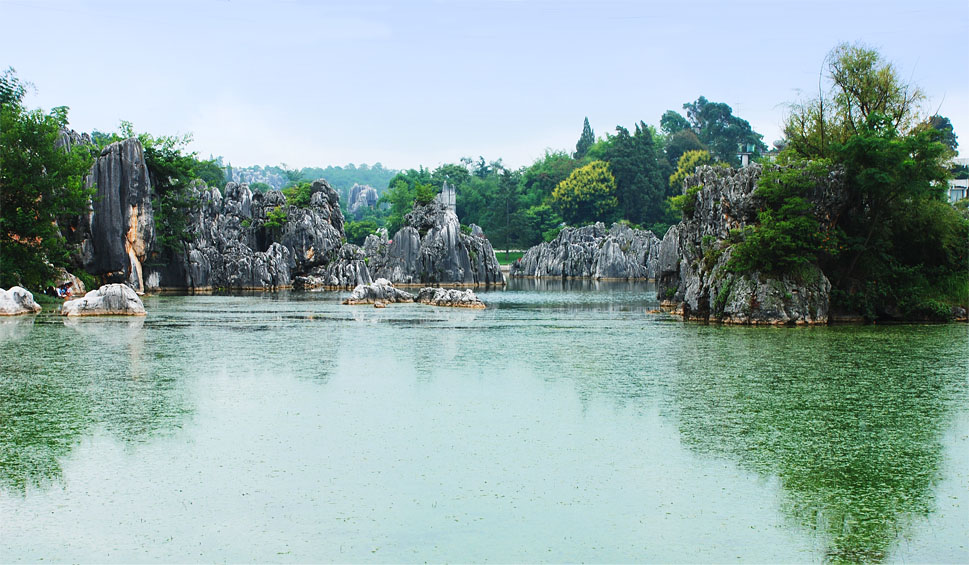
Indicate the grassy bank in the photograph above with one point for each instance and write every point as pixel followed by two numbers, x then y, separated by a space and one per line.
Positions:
pixel 508 258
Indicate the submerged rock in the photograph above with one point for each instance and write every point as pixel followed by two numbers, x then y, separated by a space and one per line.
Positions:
pixel 592 252
pixel 449 297
pixel 109 300
pixel 380 291
pixel 17 301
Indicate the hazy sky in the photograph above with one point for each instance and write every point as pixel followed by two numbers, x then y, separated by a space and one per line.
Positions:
pixel 411 83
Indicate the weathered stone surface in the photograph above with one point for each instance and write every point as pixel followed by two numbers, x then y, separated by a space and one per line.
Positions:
pixel 449 297
pixel 17 301
pixel 381 290
pixel 362 196
pixel 231 246
pixel 691 262
pixel 592 252
pixel 109 300
pixel 348 269
pixel 431 249
pixel 121 222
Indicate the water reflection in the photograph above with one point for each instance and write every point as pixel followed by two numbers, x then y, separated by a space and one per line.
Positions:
pixel 59 386
pixel 849 419
pixel 15 328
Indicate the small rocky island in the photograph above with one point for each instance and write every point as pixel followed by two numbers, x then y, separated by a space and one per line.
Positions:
pixel 382 292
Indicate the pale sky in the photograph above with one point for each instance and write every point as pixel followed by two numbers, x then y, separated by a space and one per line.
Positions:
pixel 411 83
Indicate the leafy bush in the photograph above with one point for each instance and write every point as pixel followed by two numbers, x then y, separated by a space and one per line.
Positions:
pixel 275 218
pixel 298 195
pixel 425 194
pixel 357 232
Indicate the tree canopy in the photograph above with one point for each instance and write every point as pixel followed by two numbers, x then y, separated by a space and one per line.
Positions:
pixel 40 183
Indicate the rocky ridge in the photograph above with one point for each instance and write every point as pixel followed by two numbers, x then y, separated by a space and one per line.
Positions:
pixel 592 252
pixel 237 239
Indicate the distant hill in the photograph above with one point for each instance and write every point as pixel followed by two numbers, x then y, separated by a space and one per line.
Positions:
pixel 341 178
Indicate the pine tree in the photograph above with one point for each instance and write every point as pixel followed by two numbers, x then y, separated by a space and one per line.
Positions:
pixel 585 140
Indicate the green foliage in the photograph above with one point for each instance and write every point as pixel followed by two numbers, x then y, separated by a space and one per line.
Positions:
pixel 298 194
pixel 688 163
pixel 260 187
pixel 343 178
pixel 39 184
pixel 424 194
pixel 275 218
pixel 722 133
pixel 861 85
pixel 787 236
pixel 641 187
pixel 586 139
pixel 588 195
pixel 358 231
pixel 686 203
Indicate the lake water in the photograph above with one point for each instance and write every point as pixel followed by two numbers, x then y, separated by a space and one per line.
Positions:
pixel 563 423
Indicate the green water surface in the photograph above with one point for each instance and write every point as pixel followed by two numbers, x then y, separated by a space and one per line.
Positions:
pixel 564 423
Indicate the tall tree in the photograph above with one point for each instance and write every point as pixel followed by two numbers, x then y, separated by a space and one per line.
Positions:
pixel 860 84
pixel 585 140
pixel 640 184
pixel 40 183
pixel 721 132
pixel 947 134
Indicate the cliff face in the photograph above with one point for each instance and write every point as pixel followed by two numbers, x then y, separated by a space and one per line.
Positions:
pixel 592 252
pixel 691 266
pixel 121 223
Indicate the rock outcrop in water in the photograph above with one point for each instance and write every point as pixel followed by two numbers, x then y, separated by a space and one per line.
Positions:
pixel 432 249
pixel 449 297
pixel 109 300
pixel 120 230
pixel 17 301
pixel 691 266
pixel 592 252
pixel 379 291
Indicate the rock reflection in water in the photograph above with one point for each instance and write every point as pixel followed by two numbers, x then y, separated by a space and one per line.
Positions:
pixel 849 419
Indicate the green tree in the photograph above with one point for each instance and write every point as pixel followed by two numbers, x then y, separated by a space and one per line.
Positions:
pixel 40 183
pixel 641 186
pixel 586 139
pixel 722 133
pixel 688 163
pixel 946 133
pixel 672 122
pixel 588 195
pixel 860 84
pixel 357 231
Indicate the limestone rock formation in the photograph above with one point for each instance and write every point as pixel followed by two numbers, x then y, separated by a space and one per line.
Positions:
pixel 381 290
pixel 449 297
pixel 109 300
pixel 592 252
pixel 121 222
pixel 691 264
pixel 236 241
pixel 17 301
pixel 362 196
pixel 431 249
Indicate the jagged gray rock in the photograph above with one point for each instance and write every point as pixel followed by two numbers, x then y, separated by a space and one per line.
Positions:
pixel 121 222
pixel 362 196
pixel 379 291
pixel 592 252
pixel 449 297
pixel 17 301
pixel 234 243
pixel 691 264
pixel 431 249
pixel 109 300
